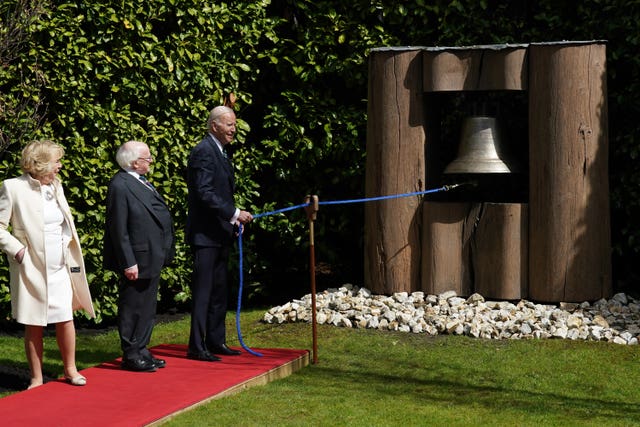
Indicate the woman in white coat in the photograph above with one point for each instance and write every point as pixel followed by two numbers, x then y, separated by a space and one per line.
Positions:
pixel 47 273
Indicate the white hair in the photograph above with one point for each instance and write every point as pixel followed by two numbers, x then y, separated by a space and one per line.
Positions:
pixel 129 152
pixel 216 113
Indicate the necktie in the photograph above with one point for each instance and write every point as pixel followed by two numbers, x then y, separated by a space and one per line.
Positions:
pixel 147 183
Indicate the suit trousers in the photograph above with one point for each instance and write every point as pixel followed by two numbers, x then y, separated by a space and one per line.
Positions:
pixel 209 293
pixel 136 316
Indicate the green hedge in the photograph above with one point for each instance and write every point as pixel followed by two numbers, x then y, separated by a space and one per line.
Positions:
pixel 146 70
pixel 151 70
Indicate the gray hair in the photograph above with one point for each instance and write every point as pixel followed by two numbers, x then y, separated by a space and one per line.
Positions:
pixel 128 153
pixel 216 113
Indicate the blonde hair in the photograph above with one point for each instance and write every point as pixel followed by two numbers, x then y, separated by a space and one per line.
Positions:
pixel 38 157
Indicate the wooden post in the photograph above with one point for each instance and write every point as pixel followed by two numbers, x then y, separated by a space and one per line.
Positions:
pixel 475 247
pixel 312 212
pixel 569 235
pixel 445 250
pixel 499 250
pixel 395 165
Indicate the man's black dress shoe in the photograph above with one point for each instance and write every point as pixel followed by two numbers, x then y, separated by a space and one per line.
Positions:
pixel 205 356
pixel 138 365
pixel 224 350
pixel 158 363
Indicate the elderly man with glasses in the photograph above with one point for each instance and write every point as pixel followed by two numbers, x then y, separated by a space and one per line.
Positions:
pixel 138 242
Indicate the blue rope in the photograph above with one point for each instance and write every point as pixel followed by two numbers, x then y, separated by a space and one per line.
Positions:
pixel 393 196
pixel 334 202
pixel 290 208
pixel 240 298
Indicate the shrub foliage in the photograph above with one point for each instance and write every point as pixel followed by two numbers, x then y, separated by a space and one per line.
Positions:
pixel 102 73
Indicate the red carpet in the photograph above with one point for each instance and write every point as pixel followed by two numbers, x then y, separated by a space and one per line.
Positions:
pixel 113 397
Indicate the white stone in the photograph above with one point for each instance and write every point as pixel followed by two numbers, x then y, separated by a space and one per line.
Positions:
pixel 321 318
pixel 418 296
pixel 626 336
pixel 475 298
pixel 600 321
pixel 620 298
pixel 456 301
pixel 401 296
pixel 384 324
pixel 390 315
pixel 619 340
pixel 573 334
pixel 431 299
pixel 364 292
pixel 560 332
pixel 448 294
pixel 525 329
pixel 345 322
pixel 574 321
pixel 373 322
pixel 616 320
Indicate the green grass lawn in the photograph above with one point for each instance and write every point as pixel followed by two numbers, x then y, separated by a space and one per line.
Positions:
pixel 373 378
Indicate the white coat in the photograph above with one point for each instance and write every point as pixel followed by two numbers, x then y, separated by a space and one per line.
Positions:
pixel 21 211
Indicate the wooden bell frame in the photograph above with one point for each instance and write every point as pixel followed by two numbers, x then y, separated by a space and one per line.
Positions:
pixel 554 245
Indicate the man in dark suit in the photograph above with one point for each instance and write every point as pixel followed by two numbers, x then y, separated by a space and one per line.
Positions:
pixel 211 220
pixel 138 242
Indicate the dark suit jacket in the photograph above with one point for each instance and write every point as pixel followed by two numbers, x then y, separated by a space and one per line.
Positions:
pixel 211 186
pixel 138 228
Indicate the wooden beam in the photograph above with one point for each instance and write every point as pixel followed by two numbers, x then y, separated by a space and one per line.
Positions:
pixel 475 68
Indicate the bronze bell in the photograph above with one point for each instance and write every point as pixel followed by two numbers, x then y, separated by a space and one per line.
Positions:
pixel 481 149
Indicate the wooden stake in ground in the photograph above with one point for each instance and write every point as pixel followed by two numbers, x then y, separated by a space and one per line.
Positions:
pixel 312 212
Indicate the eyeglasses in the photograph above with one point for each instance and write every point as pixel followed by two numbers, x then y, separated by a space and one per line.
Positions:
pixel 146 159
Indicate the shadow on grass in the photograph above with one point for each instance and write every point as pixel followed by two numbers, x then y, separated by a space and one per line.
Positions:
pixel 492 397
